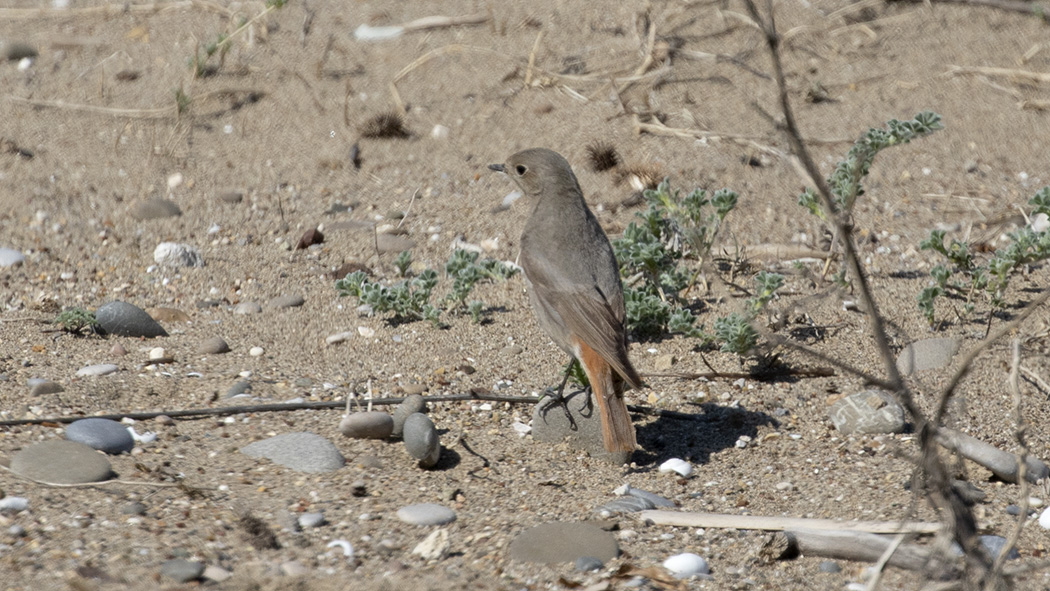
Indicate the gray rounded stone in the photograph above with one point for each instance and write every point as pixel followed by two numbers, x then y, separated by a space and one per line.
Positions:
pixel 628 504
pixel 303 452
pixel 181 570
pixel 426 514
pixel 421 439
pixel 247 308
pixel 409 406
pixel 927 354
pixel 11 258
pixel 213 346
pixel 868 412
pixel 583 432
pixel 367 425
pixel 127 320
pixel 239 388
pixel 553 543
pixel 291 301
pixel 61 462
pixel 104 435
pixel 154 209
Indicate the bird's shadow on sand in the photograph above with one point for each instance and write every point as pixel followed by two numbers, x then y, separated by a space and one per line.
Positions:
pixel 696 437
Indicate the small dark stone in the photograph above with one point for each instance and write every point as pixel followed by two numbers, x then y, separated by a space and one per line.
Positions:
pixel 310 237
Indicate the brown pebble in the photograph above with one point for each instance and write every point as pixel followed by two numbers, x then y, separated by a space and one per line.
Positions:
pixel 168 315
pixel 310 237
pixel 118 350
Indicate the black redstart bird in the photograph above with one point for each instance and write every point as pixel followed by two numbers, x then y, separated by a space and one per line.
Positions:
pixel 574 283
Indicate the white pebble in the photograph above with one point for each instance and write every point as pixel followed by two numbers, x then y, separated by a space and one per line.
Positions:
pixel 156 353
pixel 370 33
pixel 366 332
pixel 677 465
pixel 25 63
pixel 175 180
pixel 1044 518
pixel 1040 222
pixel 256 351
pixel 684 566
pixel 521 428
pixel 439 132
pixel 14 504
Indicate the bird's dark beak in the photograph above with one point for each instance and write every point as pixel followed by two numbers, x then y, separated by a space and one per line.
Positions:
pixel 498 167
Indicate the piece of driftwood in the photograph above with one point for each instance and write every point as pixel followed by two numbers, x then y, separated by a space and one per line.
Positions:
pixel 723 520
pixel 1003 464
pixel 844 545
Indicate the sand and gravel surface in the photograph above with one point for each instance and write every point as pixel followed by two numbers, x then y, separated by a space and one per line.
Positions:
pixel 101 115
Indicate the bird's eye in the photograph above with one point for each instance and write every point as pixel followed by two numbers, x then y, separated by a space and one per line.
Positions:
pixel 521 169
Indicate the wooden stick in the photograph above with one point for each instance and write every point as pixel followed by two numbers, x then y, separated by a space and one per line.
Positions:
pixel 723 520
pixel 1008 72
pixel 843 545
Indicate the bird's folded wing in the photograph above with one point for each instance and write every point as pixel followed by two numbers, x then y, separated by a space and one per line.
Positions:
pixel 586 312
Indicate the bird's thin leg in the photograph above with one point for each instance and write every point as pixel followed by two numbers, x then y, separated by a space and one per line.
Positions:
pixel 557 397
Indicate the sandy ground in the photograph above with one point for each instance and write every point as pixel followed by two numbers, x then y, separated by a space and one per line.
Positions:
pixel 276 120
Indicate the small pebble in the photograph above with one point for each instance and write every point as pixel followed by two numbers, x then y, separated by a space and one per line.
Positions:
pixel 291 301
pixel 127 320
pixel 1044 518
pixel 256 351
pixel 829 566
pixel 687 565
pixel 308 520
pixel 101 369
pixel 105 435
pixel 421 440
pixel 182 571
pixel 172 254
pixel 46 387
pixel 213 346
pixel 247 308
pixel 13 504
pixel 434 547
pixel 426 514
pixel 154 209
pixel 339 337
pixel 11 258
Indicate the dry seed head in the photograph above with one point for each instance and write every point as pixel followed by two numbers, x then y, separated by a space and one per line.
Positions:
pixel 385 125
pixel 603 156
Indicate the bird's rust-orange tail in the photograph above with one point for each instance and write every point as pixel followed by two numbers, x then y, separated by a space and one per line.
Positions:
pixel 607 385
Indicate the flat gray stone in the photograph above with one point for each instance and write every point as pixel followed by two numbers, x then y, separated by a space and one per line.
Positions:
pixel 213 346
pixel 99 369
pixel 61 462
pixel 104 435
pixel 868 412
pixel 127 320
pixel 550 425
pixel 10 258
pixel 154 209
pixel 247 308
pixel 426 514
pixel 367 425
pixel 303 452
pixel 291 301
pixel 412 404
pixel 421 439
pixel 927 354
pixel 182 571
pixel 553 543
